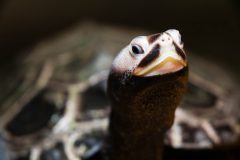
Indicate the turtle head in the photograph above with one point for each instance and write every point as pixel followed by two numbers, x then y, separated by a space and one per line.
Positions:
pixel 152 55
pixel 147 81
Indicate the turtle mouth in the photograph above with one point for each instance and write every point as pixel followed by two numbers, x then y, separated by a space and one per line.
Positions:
pixel 168 65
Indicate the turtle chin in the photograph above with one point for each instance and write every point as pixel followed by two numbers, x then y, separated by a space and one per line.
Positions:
pixel 168 65
pixel 155 76
pixel 167 68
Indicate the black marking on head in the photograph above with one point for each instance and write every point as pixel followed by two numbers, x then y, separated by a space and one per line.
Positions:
pixel 179 51
pixel 152 38
pixel 153 54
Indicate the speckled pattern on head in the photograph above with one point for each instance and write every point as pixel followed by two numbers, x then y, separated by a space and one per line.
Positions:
pixel 146 83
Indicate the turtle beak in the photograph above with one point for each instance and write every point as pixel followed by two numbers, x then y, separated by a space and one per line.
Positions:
pixel 160 66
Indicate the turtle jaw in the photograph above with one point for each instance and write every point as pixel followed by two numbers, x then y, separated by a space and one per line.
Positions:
pixel 168 65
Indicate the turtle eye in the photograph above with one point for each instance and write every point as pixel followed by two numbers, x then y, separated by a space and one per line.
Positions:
pixel 136 49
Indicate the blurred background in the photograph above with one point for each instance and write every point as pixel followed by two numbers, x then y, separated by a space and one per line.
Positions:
pixel 208 27
pixel 49 49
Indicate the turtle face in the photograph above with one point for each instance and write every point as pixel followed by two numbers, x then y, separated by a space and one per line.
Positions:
pixel 152 55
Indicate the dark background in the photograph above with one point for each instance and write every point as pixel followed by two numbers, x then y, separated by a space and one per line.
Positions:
pixel 209 27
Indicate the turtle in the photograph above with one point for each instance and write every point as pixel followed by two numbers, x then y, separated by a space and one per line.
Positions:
pixel 72 84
